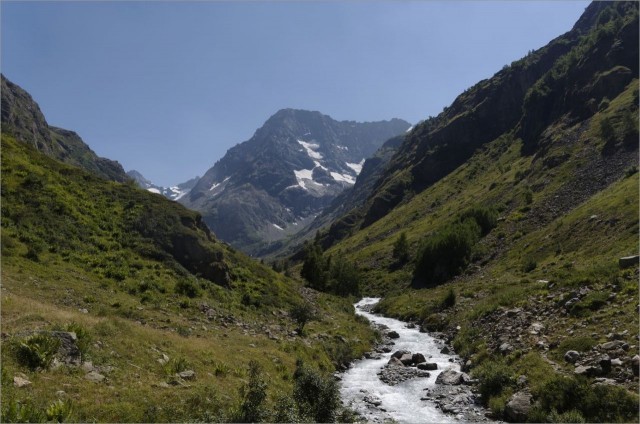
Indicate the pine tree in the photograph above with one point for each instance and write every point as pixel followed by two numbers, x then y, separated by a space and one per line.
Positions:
pixel 401 248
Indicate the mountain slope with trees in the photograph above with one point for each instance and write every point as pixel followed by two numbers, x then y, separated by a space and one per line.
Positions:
pixel 119 305
pixel 509 225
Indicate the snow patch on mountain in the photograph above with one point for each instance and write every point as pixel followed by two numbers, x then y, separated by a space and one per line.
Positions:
pixel 154 190
pixel 216 185
pixel 343 177
pixel 357 167
pixel 310 148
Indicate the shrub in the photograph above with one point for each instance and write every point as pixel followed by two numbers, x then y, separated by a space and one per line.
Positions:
pixel 83 341
pixel 59 410
pixel 487 218
pixel 252 395
pixel 401 248
pixel 21 412
pixel 345 278
pixel 528 265
pixel 493 378
pixel 302 313
pixel 580 344
pixel 316 396
pixel 314 268
pixel 284 410
pixel 566 399
pixel 443 255
pixel 449 300
pixel 37 351
pixel 187 288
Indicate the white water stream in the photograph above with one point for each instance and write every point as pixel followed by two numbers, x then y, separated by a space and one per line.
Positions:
pixel 400 402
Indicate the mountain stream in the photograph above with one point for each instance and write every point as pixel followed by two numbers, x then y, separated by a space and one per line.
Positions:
pixel 409 401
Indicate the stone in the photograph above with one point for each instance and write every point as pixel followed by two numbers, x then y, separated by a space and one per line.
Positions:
pixel 522 381
pixel 571 302
pixel 373 400
pixel 588 370
pixel 635 365
pixel 164 359
pixel 605 364
pixel 395 362
pixel 427 366
pixel 68 351
pixel 518 406
pixel 418 358
pixel 505 348
pixel 393 335
pixel 398 353
pixel 536 328
pixel 95 377
pixel 612 345
pixel 616 362
pixel 87 366
pixel 467 380
pixel 445 350
pixel 20 381
pixel 406 359
pixel 628 261
pixel 449 377
pixel 513 312
pixel 187 375
pixel 571 356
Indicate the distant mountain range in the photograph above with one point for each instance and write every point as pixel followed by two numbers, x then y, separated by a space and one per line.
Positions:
pixel 175 192
pixel 273 185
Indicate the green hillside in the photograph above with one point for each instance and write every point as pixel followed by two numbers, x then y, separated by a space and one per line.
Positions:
pixel 516 204
pixel 136 277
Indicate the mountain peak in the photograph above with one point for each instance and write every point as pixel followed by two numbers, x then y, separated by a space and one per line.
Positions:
pixel 294 165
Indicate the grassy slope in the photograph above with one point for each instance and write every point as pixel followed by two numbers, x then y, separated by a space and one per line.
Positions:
pixel 72 241
pixel 572 235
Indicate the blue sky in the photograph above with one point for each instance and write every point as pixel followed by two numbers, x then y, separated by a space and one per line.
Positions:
pixel 167 87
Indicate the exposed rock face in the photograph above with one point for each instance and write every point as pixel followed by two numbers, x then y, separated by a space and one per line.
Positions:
pixel 272 185
pixel 518 407
pixel 22 118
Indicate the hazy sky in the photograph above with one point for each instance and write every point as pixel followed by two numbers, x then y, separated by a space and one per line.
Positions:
pixel 167 87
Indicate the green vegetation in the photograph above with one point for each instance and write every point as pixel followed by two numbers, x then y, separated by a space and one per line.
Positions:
pixel 401 249
pixel 138 278
pixel 564 199
pixel 324 273
pixel 446 253
pixel 37 351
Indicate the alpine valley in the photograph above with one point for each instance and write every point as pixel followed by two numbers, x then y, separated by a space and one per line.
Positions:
pixel 506 228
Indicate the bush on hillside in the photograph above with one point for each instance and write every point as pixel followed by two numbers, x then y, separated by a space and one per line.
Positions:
pixel 401 249
pixel 37 351
pixel 324 274
pixel 446 253
pixel 316 396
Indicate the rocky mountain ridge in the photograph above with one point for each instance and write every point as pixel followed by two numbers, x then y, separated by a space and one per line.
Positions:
pixel 272 185
pixel 22 117
pixel 175 192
